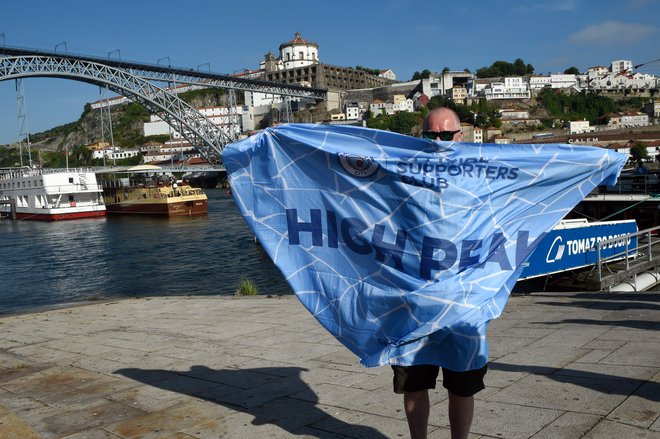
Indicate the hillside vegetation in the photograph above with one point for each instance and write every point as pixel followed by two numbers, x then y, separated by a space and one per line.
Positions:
pixel 551 106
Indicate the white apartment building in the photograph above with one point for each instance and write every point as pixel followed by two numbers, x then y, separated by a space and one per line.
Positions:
pixel 597 72
pixel 512 88
pixel 636 119
pixel 580 126
pixel 352 111
pixel 390 108
pixel 508 113
pixel 622 66
pixel 115 153
pixel 537 82
pixel 620 82
pixel 563 81
pixel 443 83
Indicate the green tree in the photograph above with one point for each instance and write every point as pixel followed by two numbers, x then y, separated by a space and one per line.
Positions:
pixel 9 157
pixel 638 151
pixel 445 70
pixel 416 76
pixel 81 156
pixel 519 67
pixel 426 73
pixel 572 71
pixel 504 68
pixel 380 122
pixel 374 72
pixel 576 107
pixel 404 122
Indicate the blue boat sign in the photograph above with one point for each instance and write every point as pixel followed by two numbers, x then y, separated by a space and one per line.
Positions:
pixel 573 244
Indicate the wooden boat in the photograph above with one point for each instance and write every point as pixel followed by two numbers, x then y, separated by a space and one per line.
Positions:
pixel 141 194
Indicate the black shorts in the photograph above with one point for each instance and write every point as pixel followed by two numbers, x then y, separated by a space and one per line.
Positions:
pixel 424 376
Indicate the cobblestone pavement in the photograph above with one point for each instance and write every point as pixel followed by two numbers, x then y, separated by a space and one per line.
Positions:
pixel 562 366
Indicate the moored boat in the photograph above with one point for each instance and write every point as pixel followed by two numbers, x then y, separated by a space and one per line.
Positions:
pixel 50 194
pixel 152 197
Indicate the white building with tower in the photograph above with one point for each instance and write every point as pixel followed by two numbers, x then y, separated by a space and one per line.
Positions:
pixel 295 53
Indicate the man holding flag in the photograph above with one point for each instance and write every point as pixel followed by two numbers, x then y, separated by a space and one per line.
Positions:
pixel 405 249
pixel 415 381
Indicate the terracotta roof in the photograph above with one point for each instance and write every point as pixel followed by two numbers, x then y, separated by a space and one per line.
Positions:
pixel 195 161
pixel 298 40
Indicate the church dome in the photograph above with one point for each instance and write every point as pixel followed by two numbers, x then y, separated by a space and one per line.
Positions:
pixel 298 41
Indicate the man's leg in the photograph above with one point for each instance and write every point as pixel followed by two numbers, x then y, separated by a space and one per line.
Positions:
pixel 414 383
pixel 417 409
pixel 461 411
pixel 462 386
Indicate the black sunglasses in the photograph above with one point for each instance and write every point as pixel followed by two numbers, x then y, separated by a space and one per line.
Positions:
pixel 443 135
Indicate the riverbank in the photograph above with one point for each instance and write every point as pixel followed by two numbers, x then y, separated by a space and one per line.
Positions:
pixel 562 365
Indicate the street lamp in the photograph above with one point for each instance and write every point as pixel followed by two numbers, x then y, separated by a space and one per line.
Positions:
pixel 66 50
pixel 163 58
pixel 3 39
pixel 205 64
pixel 118 54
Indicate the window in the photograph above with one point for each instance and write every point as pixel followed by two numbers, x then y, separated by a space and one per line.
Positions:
pixel 70 179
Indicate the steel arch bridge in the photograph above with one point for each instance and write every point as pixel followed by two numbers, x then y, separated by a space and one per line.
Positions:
pixel 193 126
pixel 132 79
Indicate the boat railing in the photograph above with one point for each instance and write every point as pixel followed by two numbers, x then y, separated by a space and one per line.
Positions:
pixel 636 256
pixel 35 172
pixel 646 184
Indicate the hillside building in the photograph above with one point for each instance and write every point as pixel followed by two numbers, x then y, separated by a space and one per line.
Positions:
pixel 580 127
pixel 622 66
pixel 299 63
pixel 512 87
pixel 652 108
pixel 230 120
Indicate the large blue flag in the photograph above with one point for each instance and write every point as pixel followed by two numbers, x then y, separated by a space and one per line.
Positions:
pixel 405 248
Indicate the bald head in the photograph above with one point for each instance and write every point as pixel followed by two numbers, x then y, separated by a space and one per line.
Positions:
pixel 442 119
pixel 442 124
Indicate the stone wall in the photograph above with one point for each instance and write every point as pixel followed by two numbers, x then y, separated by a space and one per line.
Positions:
pixel 327 76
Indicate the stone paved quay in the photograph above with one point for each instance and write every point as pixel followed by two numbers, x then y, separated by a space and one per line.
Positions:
pixel 562 366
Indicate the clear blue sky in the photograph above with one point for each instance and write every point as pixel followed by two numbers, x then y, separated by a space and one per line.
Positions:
pixel 404 35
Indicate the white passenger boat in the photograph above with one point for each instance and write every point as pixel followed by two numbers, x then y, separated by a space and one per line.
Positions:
pixel 50 194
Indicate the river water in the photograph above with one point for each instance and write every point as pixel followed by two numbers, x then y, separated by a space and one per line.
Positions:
pixel 46 264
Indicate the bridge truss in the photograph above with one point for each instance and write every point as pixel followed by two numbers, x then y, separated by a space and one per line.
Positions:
pixel 136 82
